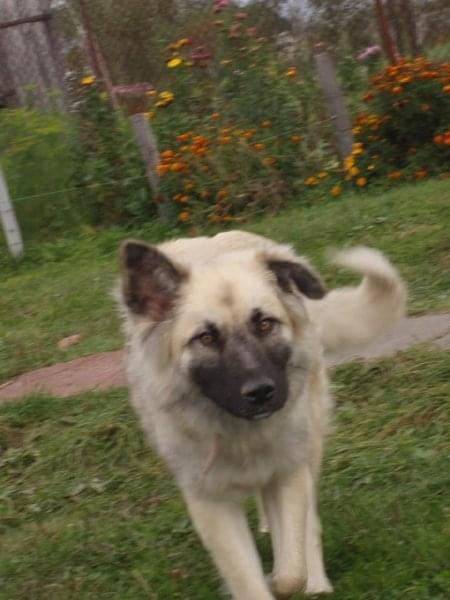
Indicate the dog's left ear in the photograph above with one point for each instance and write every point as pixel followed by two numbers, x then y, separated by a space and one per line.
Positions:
pixel 291 273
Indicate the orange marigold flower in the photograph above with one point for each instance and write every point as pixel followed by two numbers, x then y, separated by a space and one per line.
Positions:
pixel 162 169
pixel 424 107
pixel 248 134
pixel 183 137
pixel 420 173
pixel 311 181
pixel 367 97
pixel 221 194
pixel 296 139
pixel 268 161
pixel 265 124
pixel 405 79
pixel 291 72
pixel 204 194
pixel 184 216
pixel 396 89
pixel 214 218
pixel 336 190
pixel 188 186
pixel 322 175
pixel 224 139
pixel 395 174
pixel 438 139
pixel 178 167
pixel 258 147
pixel 361 181
pixel 354 171
pixel 215 116
pixel 446 89
pixel 167 154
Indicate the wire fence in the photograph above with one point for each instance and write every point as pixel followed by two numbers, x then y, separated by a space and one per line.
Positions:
pixel 31 63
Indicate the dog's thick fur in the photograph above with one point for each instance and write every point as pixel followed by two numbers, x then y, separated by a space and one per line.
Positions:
pixel 182 379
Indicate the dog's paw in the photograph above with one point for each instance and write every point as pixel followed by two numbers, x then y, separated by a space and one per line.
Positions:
pixel 318 585
pixel 286 586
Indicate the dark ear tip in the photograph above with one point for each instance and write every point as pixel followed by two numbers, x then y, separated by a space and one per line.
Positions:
pixel 317 291
pixel 132 252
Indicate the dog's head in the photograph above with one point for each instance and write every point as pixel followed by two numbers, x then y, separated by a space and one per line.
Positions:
pixel 232 332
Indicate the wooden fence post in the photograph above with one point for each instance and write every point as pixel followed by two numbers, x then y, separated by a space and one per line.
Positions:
pixel 148 147
pixel 9 222
pixel 334 101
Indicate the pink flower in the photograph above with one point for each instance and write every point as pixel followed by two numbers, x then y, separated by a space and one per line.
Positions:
pixel 200 57
pixel 219 5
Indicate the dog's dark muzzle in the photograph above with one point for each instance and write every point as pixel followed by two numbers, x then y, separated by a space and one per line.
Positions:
pixel 259 399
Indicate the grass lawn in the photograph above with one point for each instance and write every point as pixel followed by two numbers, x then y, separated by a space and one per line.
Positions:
pixel 63 288
pixel 87 512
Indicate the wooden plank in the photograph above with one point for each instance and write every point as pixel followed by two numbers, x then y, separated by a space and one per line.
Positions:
pixel 334 101
pixel 25 20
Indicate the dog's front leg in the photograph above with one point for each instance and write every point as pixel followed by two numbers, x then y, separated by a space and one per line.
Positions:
pixel 286 503
pixel 223 528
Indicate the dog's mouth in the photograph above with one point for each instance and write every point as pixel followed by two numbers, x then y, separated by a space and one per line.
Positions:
pixel 262 415
pixel 259 415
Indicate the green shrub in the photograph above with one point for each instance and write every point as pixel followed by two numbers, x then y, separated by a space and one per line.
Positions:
pixel 35 155
pixel 406 135
pixel 108 169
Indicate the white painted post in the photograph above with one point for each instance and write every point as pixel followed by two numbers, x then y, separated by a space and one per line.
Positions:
pixel 9 222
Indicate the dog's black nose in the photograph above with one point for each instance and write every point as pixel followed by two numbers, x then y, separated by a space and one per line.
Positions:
pixel 258 392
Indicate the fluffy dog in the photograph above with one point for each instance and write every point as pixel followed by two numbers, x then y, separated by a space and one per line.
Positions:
pixel 225 359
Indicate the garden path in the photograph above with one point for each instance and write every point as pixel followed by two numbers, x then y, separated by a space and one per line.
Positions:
pixel 105 370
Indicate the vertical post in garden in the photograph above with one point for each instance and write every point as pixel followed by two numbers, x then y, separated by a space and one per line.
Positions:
pixel 148 148
pixel 334 101
pixel 385 34
pixel 96 59
pixel 10 225
pixel 411 28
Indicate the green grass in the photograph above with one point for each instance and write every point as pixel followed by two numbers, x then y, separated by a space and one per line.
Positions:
pixel 87 511
pixel 62 288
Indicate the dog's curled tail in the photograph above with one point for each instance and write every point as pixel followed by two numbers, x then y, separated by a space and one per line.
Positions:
pixel 350 317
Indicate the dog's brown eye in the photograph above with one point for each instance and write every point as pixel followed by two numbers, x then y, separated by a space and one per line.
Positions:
pixel 265 326
pixel 207 339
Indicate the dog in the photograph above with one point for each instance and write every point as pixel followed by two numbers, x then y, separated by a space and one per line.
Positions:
pixel 226 339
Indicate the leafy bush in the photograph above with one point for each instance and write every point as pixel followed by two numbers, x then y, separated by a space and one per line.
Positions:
pixel 238 124
pixel 406 135
pixel 108 168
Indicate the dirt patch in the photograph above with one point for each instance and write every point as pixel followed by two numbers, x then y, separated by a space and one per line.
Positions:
pixel 105 371
pixel 96 372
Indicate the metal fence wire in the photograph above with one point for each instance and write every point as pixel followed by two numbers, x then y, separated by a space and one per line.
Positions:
pixel 31 67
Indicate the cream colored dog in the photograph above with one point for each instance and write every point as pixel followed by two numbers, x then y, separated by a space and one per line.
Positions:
pixel 226 339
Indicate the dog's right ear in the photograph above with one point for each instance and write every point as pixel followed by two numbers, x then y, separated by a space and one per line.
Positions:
pixel 150 281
